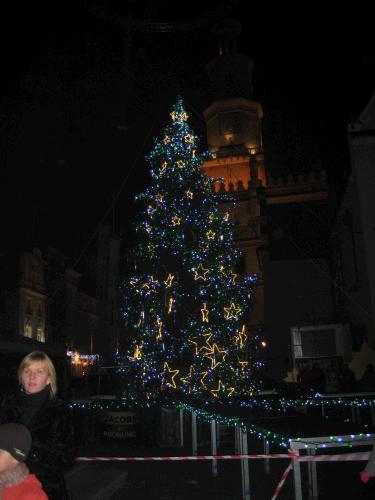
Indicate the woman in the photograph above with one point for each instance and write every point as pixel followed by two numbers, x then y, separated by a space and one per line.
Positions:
pixel 35 405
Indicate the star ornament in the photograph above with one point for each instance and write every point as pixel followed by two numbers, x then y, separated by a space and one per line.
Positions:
pixel 204 375
pixel 166 140
pixel 221 388
pixel 189 194
pixel 168 281
pixel 232 311
pixel 180 163
pixel 210 234
pixel 170 373
pixel 137 353
pixel 217 356
pixel 176 221
pixel 179 116
pixel 150 210
pixel 205 312
pixel 200 273
pixel 188 376
pixel 189 139
pixel 159 198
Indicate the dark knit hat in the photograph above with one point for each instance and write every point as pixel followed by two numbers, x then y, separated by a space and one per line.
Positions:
pixel 16 440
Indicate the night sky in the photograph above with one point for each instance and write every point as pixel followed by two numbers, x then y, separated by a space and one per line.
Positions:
pixel 83 95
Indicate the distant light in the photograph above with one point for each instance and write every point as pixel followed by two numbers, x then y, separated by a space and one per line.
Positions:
pixel 263 343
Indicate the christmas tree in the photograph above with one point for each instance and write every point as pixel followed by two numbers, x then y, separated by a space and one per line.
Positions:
pixel 185 306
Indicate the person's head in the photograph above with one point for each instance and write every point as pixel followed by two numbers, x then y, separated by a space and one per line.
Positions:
pixel 15 444
pixel 35 372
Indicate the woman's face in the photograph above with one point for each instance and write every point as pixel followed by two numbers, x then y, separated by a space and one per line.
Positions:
pixel 35 377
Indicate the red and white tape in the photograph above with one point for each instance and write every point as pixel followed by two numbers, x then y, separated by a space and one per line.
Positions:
pixel 282 481
pixel 182 458
pixel 306 458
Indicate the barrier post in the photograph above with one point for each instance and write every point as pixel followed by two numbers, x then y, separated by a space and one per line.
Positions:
pixel 244 463
pixel 236 440
pixel 194 433
pixel 295 447
pixel 266 451
pixel 181 427
pixel 213 447
pixel 313 480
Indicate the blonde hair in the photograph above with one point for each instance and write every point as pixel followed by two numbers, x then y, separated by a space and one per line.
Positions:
pixel 39 356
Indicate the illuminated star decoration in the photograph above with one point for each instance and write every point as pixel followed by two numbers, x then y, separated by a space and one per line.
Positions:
pixel 172 373
pixel 216 352
pixel 221 387
pixel 137 353
pixel 243 364
pixel 207 347
pixel 204 312
pixel 241 337
pixel 170 305
pixel 233 277
pixel 179 116
pixel 189 139
pixel 159 335
pixel 180 163
pixel 166 140
pixel 168 281
pixel 232 311
pixel 159 198
pixel 176 221
pixel 188 376
pixel 163 168
pixel 204 375
pixel 189 194
pixel 210 234
pixel 200 275
pixel 150 210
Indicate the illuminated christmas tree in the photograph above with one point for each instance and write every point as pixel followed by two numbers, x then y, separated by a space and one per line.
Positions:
pixel 185 306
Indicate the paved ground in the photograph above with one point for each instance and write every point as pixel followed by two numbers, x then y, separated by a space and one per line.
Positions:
pixel 194 480
pixel 184 480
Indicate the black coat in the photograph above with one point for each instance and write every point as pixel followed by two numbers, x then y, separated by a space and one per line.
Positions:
pixel 53 448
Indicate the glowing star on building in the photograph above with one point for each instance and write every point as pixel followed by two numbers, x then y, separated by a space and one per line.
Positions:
pixel 232 311
pixel 168 281
pixel 172 374
pixel 180 163
pixel 164 166
pixel 210 234
pixel 205 312
pixel 189 194
pixel 200 273
pixel 151 248
pixel 207 347
pixel 226 216
pixel 166 140
pixel 176 221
